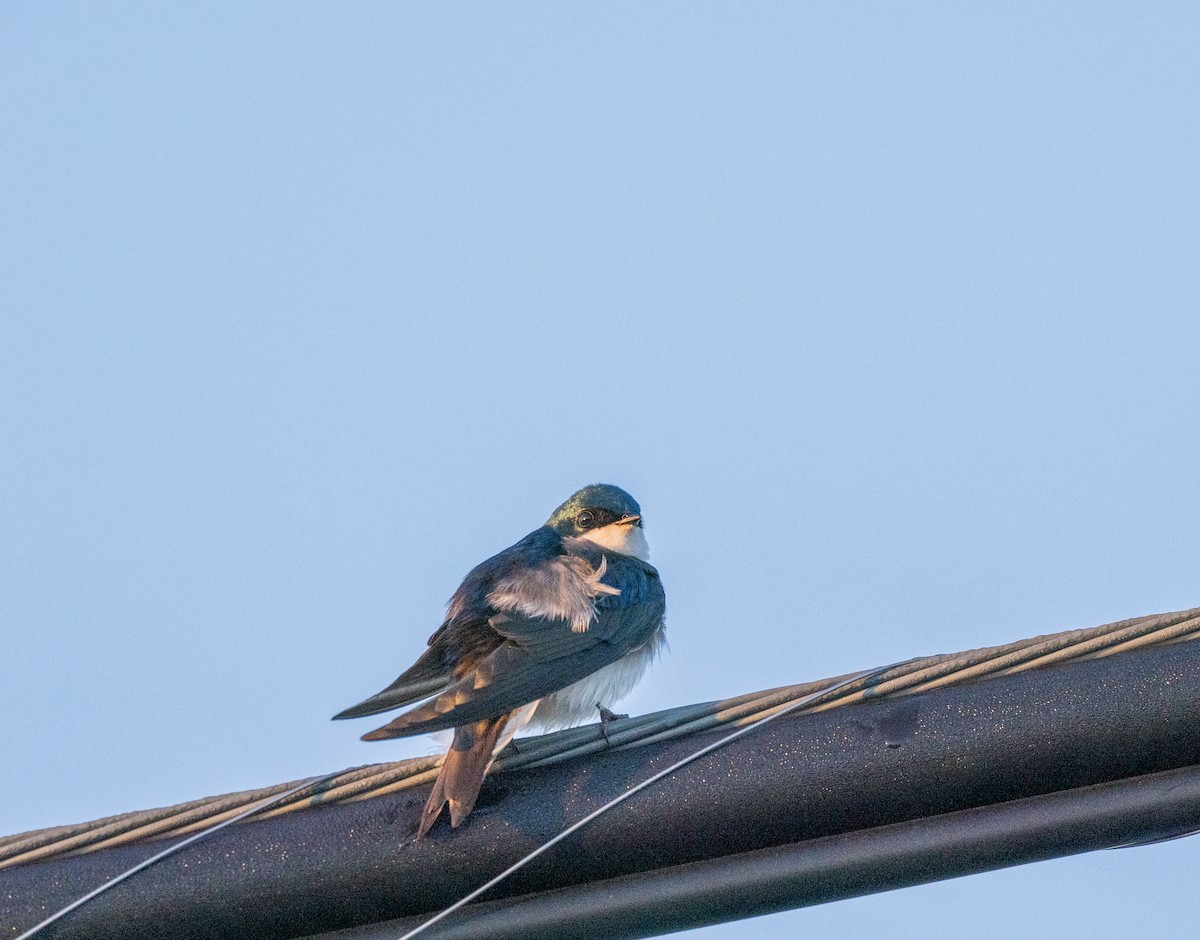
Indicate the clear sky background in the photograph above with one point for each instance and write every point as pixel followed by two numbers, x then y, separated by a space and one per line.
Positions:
pixel 888 314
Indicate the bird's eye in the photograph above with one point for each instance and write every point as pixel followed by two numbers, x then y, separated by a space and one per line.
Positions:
pixel 585 519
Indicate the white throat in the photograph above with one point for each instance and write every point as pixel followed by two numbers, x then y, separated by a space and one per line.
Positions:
pixel 624 539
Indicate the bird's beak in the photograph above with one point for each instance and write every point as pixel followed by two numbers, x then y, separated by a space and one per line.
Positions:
pixel 630 520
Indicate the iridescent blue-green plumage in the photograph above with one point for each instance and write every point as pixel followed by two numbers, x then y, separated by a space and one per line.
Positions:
pixel 599 498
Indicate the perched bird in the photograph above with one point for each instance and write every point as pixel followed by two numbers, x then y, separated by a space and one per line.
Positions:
pixel 561 623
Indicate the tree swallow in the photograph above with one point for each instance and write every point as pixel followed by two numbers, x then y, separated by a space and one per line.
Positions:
pixel 564 621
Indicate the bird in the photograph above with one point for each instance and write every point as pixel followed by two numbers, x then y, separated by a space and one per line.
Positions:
pixel 556 626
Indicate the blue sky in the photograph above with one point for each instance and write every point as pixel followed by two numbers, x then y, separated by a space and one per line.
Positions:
pixel 887 314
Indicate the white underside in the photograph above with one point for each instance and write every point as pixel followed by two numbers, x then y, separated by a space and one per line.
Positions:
pixel 577 703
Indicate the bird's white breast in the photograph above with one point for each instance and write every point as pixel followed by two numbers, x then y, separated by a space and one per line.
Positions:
pixel 577 703
pixel 626 539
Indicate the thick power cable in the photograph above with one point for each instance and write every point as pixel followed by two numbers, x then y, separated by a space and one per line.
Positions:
pixel 595 814
pixel 142 866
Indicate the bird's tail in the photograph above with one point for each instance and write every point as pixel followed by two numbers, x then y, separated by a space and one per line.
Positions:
pixel 466 763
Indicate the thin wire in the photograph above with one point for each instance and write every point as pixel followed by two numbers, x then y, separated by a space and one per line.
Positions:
pixel 707 749
pixel 203 833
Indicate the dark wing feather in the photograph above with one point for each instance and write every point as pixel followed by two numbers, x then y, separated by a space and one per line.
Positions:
pixel 464 640
pixel 465 636
pixel 542 655
pixel 415 683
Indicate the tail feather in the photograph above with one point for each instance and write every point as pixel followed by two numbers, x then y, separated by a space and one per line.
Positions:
pixel 462 774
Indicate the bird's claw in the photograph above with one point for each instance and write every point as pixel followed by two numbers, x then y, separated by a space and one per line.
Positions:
pixel 606 718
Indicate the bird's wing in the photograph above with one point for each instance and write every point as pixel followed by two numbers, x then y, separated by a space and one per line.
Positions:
pixel 560 621
pixel 538 576
pixel 404 690
pixel 465 636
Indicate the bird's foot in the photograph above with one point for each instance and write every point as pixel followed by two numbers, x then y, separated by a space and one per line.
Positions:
pixel 606 718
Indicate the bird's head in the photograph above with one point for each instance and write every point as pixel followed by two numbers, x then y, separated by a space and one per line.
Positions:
pixel 606 515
